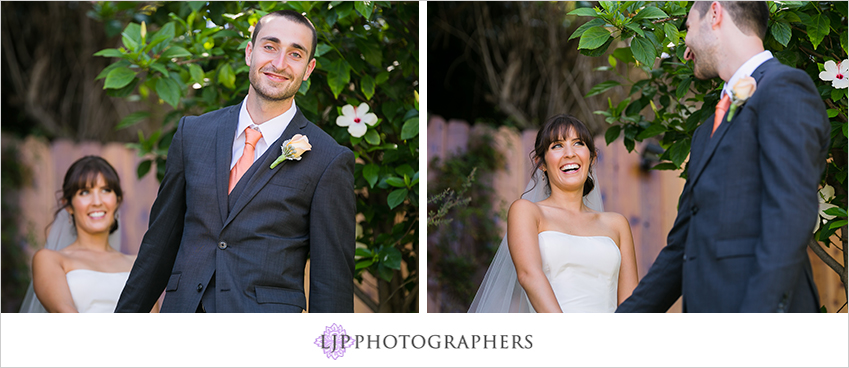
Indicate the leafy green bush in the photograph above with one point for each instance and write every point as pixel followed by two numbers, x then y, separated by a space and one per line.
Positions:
pixel 190 56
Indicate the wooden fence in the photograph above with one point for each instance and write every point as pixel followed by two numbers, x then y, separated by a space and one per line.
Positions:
pixel 649 199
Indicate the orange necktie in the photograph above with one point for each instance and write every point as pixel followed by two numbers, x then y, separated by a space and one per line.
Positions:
pixel 721 108
pixel 247 159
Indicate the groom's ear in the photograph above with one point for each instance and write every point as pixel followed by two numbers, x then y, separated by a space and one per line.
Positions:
pixel 248 50
pixel 716 12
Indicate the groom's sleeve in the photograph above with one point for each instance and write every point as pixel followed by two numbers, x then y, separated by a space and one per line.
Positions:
pixel 793 136
pixel 158 250
pixel 333 237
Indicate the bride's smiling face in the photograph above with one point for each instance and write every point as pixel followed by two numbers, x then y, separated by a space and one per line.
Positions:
pixel 567 161
pixel 94 206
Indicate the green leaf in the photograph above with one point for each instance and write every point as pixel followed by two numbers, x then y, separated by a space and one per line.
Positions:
pixel 651 131
pixel 612 133
pixel 364 263
pixel 109 53
pixel 381 78
pixel 634 26
pixel 367 86
pixel 363 252
pixel 671 32
pixel 372 137
pixel 197 73
pixel 405 170
pixel 143 168
pixel 624 54
pixel 131 37
pixel 175 52
pixel 643 51
pixel 396 182
pixel 665 166
pixel 836 211
pixel 683 87
pixel 584 12
pixel 338 76
pixel 131 119
pixel 168 91
pixel 832 112
pixel 818 28
pixel 370 50
pixel 111 67
pixel 679 151
pixel 781 32
pixel 396 197
pixel 836 94
pixel 602 87
pixel 837 224
pixel 593 38
pixel 410 129
pixel 164 34
pixel 584 27
pixel 650 12
pixel 384 272
pixel 321 49
pixel 159 68
pixel 226 76
pixel 370 172
pixel 365 8
pixel 118 78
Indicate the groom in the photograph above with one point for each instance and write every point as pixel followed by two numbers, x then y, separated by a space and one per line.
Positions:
pixel 748 208
pixel 230 234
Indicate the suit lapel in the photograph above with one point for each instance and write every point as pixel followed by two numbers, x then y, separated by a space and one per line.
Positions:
pixel 260 175
pixel 223 157
pixel 713 142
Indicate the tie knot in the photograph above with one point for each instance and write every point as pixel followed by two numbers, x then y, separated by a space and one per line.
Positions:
pixel 252 136
pixel 724 103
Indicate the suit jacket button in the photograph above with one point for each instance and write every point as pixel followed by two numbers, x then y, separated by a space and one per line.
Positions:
pixel 222 245
pixel 685 257
pixel 694 210
pixel 200 287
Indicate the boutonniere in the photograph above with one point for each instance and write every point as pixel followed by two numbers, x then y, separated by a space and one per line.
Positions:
pixel 293 149
pixel 740 93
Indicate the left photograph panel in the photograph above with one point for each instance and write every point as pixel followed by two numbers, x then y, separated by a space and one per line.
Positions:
pixel 210 157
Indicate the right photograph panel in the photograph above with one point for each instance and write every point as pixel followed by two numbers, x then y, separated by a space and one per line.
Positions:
pixel 633 157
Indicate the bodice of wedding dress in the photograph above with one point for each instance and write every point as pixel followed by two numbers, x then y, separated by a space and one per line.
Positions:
pixel 583 271
pixel 94 291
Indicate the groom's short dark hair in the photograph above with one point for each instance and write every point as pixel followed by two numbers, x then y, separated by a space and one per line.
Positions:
pixel 293 16
pixel 749 16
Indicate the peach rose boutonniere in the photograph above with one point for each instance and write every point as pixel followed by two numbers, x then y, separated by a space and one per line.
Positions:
pixel 740 93
pixel 293 149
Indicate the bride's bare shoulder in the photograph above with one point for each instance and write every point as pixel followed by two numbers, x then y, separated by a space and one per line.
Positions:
pixel 615 220
pixel 524 206
pixel 44 257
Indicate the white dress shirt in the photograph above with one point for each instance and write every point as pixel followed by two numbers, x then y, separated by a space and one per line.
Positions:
pixel 271 131
pixel 745 70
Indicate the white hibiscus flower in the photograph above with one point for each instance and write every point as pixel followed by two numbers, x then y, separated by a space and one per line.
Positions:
pixel 356 118
pixel 837 73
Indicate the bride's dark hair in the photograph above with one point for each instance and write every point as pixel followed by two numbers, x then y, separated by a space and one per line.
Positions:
pixel 557 128
pixel 83 174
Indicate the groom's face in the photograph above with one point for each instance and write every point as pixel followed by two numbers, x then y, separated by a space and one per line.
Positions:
pixel 702 45
pixel 280 60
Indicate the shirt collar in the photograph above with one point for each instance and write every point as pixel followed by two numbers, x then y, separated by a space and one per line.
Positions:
pixel 272 129
pixel 746 70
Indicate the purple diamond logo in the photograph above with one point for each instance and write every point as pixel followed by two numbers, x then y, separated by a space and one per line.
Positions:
pixel 334 341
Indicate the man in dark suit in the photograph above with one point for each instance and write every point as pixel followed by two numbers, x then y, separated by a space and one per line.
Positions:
pixel 227 232
pixel 749 205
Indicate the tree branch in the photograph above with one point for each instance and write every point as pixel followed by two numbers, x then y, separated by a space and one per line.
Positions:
pixel 828 259
pixel 365 298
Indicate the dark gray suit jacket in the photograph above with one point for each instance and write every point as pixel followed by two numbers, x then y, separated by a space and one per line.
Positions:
pixel 747 211
pixel 246 251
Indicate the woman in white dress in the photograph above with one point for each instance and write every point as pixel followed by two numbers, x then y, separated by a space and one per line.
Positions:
pixel 562 253
pixel 89 274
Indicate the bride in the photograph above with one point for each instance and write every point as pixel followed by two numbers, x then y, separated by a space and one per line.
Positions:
pixel 562 252
pixel 78 270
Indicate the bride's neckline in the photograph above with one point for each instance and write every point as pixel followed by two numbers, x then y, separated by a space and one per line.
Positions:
pixel 580 236
pixel 83 269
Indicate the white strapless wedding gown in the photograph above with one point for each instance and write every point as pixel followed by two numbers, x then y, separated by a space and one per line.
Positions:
pixel 582 270
pixel 95 291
